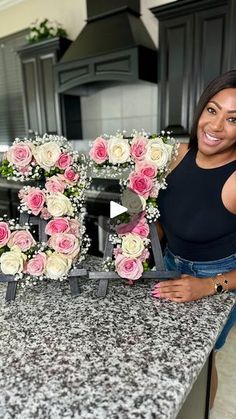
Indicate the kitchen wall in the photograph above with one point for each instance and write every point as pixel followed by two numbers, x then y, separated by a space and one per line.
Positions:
pixel 123 107
pixel 16 15
pixel 70 13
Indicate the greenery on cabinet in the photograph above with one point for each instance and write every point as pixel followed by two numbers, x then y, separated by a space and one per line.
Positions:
pixel 45 29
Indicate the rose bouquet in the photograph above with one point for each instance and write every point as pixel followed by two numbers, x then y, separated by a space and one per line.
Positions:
pixel 65 249
pixel 59 197
pixel 61 203
pixel 42 157
pixel 16 246
pixel 141 161
pixel 29 261
pixel 61 171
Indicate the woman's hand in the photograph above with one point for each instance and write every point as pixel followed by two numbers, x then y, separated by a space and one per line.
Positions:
pixel 186 288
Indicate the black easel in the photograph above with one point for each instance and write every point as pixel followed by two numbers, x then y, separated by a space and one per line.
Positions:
pixel 161 273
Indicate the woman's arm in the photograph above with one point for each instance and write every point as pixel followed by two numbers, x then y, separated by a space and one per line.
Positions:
pixel 160 231
pixel 189 288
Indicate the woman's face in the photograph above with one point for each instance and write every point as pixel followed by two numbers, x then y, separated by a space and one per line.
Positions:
pixel 217 124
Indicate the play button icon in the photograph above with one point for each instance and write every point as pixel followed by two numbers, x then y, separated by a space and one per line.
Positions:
pixel 116 209
pixel 130 203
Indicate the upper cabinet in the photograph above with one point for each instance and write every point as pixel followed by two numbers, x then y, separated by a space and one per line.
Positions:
pixel 46 111
pixel 195 45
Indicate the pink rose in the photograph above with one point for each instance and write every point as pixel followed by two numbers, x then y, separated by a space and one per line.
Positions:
pixel 35 200
pixel 129 268
pixel 70 175
pixel 65 243
pixel 23 239
pixel 5 233
pixel 22 195
pixel 57 225
pixel 125 228
pixel 140 184
pixel 74 227
pixel 117 251
pixel 36 266
pixel 154 191
pixel 138 148
pixel 142 228
pixel 54 184
pixel 19 154
pixel 25 170
pixel 145 255
pixel 99 150
pixel 147 169
pixel 33 162
pixel 137 225
pixel 45 214
pixel 64 161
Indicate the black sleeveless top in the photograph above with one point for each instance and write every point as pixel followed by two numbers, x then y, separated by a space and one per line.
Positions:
pixel 197 225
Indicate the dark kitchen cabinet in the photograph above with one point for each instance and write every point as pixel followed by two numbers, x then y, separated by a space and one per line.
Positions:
pixel 195 45
pixel 5 203
pixel 9 201
pixel 46 111
pixel 14 202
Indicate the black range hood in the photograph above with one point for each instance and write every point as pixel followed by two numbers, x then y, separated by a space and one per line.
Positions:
pixel 113 47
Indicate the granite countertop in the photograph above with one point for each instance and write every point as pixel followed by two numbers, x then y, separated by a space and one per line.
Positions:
pixel 126 356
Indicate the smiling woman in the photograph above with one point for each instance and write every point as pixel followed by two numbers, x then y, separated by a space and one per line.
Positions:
pixel 198 209
pixel 217 129
pixel 200 192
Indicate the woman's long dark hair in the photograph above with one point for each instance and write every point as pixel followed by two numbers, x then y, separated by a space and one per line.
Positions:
pixel 224 81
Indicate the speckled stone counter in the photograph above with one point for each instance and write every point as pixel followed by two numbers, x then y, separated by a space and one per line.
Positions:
pixel 126 356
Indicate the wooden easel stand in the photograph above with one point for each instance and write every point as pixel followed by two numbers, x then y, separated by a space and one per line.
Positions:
pixel 42 237
pixel 160 274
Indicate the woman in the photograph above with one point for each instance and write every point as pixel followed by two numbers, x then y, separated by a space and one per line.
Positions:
pixel 198 208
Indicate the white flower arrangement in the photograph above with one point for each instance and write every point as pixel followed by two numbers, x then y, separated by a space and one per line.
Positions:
pixel 45 29
pixel 142 162
pixel 35 159
pixel 30 262
pixel 59 199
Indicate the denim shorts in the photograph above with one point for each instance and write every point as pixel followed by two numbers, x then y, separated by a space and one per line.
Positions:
pixel 203 270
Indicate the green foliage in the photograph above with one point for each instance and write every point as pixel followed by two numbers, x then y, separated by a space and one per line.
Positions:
pixel 152 201
pixel 124 218
pixel 146 266
pixel 3 250
pixel 40 31
pixel 53 171
pixel 5 169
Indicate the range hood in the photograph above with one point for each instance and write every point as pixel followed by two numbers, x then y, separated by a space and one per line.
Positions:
pixel 113 47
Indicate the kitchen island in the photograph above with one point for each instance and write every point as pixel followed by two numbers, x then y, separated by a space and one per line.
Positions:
pixel 126 356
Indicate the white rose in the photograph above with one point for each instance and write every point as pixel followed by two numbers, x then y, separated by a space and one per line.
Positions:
pixel 169 148
pixel 12 262
pixel 59 205
pixel 158 152
pixel 133 202
pixel 46 155
pixel 57 266
pixel 118 150
pixel 132 245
